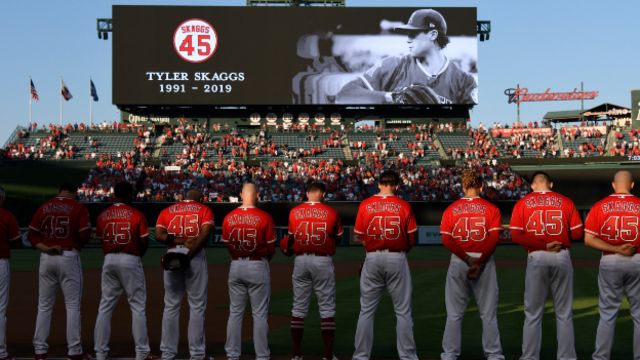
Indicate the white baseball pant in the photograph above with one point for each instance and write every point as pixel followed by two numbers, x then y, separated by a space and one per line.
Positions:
pixel 122 272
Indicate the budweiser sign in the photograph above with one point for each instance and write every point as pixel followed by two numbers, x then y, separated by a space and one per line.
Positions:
pixel 520 95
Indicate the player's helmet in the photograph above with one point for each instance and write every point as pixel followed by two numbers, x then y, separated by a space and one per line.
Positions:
pixel 424 20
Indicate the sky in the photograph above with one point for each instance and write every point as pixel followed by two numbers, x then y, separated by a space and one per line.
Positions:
pixel 538 44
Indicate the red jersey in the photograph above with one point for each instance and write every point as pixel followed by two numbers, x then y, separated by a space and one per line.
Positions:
pixel 121 229
pixel 471 225
pixel 185 219
pixel 385 222
pixel 249 232
pixel 543 217
pixel 316 228
pixel 61 221
pixel 9 231
pixel 615 219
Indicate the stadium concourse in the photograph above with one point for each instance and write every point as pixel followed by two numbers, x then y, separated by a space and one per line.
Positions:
pixel 219 158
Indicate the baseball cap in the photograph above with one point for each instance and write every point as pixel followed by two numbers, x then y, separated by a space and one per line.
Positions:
pixel 424 20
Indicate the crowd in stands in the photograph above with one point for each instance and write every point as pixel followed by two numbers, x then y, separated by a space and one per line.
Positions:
pixel 280 180
pixel 478 147
pixel 214 159
pixel 520 144
pixel 590 141
pixel 626 144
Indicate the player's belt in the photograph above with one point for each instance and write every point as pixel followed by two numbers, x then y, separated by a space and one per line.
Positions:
pixel 69 252
pixel 386 251
pixel 311 254
pixel 248 258
pixel 564 247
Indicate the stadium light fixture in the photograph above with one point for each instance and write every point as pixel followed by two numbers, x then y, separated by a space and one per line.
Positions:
pixel 484 29
pixel 104 27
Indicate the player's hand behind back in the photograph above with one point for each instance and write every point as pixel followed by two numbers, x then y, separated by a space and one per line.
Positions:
pixel 54 250
pixel 554 246
pixel 626 250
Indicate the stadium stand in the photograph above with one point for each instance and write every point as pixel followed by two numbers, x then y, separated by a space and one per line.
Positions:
pixel 218 159
pixel 583 141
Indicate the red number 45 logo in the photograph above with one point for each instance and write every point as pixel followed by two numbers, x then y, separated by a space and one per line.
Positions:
pixel 195 40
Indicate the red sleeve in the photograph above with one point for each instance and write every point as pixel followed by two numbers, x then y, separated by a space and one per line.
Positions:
pixel 359 227
pixel 143 227
pixel 100 226
pixel 84 221
pixel 225 230
pixel 207 217
pixel 35 234
pixel 13 229
pixel 269 230
pixel 592 223
pixel 518 233
pixel 270 235
pixel 523 238
pixel 517 217
pixel 292 223
pixel 446 227
pixel 84 225
pixel 338 227
pixel 494 231
pixel 413 239
pixel 577 230
pixel 163 221
pixel 495 221
pixel 451 245
pixel 412 225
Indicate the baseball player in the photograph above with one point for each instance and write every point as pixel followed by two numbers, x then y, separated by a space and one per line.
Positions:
pixel 424 76
pixel 545 223
pixel 124 233
pixel 250 237
pixel 185 227
pixel 471 229
pixel 314 230
pixel 9 236
pixel 612 227
pixel 59 229
pixel 387 228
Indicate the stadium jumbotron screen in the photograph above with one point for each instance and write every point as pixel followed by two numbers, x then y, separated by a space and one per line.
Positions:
pixel 178 55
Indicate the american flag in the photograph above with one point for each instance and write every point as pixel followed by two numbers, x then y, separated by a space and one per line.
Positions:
pixel 34 92
pixel 66 94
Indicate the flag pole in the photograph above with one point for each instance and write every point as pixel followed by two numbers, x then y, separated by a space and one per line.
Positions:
pixel 60 100
pixel 30 101
pixel 90 106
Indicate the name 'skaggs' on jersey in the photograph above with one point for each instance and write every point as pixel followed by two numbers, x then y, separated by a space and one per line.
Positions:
pixel 615 219
pixel 386 222
pixel 60 222
pixel 543 217
pixel 471 225
pixel 249 232
pixel 185 219
pixel 121 229
pixel 315 227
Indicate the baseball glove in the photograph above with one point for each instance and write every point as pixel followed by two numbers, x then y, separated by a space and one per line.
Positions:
pixel 415 94
pixel 175 261
pixel 286 244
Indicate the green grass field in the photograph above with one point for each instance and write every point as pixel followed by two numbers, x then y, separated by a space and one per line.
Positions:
pixel 428 305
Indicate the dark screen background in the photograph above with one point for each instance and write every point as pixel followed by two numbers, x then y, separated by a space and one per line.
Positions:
pixel 259 41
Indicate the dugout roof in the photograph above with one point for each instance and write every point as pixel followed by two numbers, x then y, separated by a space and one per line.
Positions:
pixel 606 109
